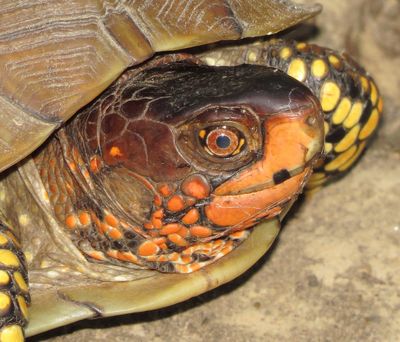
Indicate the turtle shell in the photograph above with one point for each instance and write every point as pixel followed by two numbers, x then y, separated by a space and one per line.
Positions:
pixel 56 56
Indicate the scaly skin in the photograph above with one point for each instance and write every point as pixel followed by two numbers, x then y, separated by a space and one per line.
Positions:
pixel 185 218
pixel 349 97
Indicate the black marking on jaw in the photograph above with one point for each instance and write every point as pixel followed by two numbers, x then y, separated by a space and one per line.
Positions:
pixel 280 176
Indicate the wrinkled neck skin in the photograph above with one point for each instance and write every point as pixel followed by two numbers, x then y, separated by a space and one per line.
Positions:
pixel 171 167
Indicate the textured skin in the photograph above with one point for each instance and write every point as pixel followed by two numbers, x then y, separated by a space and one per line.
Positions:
pixel 349 97
pixel 124 200
pixel 14 295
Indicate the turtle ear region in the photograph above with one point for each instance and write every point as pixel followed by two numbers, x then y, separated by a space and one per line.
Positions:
pixel 137 148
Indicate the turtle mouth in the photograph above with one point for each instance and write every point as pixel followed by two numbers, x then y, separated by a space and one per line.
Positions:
pixel 293 142
pixel 278 178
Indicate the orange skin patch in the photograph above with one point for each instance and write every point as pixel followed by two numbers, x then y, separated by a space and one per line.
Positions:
pixel 176 203
pixel 196 186
pixel 111 220
pixel 71 221
pixel 95 164
pixel 287 142
pixel 243 197
pixel 192 216
pixel 84 218
pixel 114 233
pixel 177 240
pixel 165 190
pixel 96 255
pixel 237 210
pixel 170 228
pixel 200 231
pixel 115 151
pixel 148 248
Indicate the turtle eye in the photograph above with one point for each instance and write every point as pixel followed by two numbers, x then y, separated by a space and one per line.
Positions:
pixel 221 141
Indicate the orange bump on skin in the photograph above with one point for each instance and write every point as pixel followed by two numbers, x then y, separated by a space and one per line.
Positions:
pixel 186 259
pixel 335 61
pixel 177 240
pixel 95 164
pixel 159 214
pixel 156 222
pixel 200 231
pixel 71 221
pixel 184 232
pixel 176 203
pixel 148 248
pixel 72 166
pixel 113 253
pixel 84 218
pixel 196 186
pixel 301 46
pixel 128 256
pixel 160 240
pixel 165 190
pixel 182 269
pixel 148 225
pixel 96 255
pixel 238 235
pixel 115 151
pixel 111 220
pixel 114 233
pixel 192 216
pixel 170 228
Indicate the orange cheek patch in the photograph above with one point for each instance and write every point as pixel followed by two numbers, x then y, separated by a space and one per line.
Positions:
pixel 237 209
pixel 286 146
pixel 191 217
pixel 148 248
pixel 176 203
pixel 200 231
pixel 196 186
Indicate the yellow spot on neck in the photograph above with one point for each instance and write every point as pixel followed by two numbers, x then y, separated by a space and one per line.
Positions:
pixel 370 126
pixel 5 301
pixel 8 258
pixel 4 278
pixel 12 333
pixel 348 140
pixel 341 111
pixel 329 95
pixel 285 52
pixel 297 69
pixel 319 68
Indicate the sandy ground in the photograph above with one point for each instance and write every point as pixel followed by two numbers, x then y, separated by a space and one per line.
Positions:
pixel 334 273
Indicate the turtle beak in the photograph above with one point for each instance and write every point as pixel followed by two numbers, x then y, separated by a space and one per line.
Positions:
pixel 293 140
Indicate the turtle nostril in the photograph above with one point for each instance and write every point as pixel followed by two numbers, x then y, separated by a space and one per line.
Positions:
pixel 311 121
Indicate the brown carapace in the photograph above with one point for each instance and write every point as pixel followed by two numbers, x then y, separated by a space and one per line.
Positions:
pixel 171 166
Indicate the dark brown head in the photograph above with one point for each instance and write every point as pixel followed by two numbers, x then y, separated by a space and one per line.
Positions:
pixel 178 160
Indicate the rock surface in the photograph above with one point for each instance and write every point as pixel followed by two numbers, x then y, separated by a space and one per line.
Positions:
pixel 334 273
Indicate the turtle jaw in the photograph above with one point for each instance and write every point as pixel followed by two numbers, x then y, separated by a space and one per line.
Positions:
pixel 292 144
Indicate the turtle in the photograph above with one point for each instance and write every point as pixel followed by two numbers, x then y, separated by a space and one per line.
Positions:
pixel 173 176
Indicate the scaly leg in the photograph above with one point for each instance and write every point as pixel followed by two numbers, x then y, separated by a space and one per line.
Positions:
pixel 14 291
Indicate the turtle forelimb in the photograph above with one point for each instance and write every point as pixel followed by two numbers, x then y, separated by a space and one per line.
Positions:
pixel 14 291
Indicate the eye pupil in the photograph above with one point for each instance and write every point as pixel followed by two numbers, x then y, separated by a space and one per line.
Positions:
pixel 223 141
